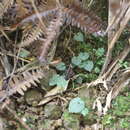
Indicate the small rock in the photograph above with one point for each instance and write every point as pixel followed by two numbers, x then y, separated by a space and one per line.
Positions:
pixel 32 97
pixel 52 111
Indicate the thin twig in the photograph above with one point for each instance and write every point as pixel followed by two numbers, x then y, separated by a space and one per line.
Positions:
pixel 114 39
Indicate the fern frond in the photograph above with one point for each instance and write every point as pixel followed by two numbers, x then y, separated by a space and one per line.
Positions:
pixel 31 34
pixel 51 33
pixel 25 80
pixel 42 14
pixel 83 19
pixel 20 83
pixel 4 6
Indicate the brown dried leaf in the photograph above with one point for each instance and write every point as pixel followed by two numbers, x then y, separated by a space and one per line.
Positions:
pixel 31 34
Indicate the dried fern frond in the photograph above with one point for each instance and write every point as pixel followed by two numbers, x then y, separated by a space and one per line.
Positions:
pixel 20 83
pixel 30 34
pixel 51 33
pixel 33 17
pixel 34 31
pixel 83 19
pixel 4 6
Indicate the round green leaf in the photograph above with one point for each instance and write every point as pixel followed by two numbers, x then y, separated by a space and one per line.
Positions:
pixel 76 105
pixel 97 70
pixel 88 65
pixel 84 112
pixel 79 37
pixel 83 64
pixel 79 80
pixel 76 61
pixel 24 53
pixel 62 82
pixel 100 52
pixel 53 81
pixel 83 55
pixel 59 81
pixel 61 66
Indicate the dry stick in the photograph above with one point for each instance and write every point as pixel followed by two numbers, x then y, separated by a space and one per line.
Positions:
pixel 6 53
pixel 46 100
pixel 4 34
pixel 115 38
pixel 5 62
pixel 114 14
pixel 113 25
pixel 93 83
pixel 117 18
pixel 37 14
pixel 15 60
pixel 16 117
pixel 115 65
pixel 121 83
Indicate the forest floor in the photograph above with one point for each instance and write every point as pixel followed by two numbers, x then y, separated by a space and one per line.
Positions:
pixel 66 95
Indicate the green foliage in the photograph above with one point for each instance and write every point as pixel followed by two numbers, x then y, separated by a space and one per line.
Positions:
pixel 87 62
pixel 79 37
pixel 59 81
pixel 77 105
pixel 83 55
pixel 97 70
pixel 79 80
pixel 66 115
pixel 61 66
pixel 76 61
pixel 125 122
pixel 96 56
pixel 124 64
pixel 121 105
pixel 71 120
pixel 84 112
pixel 24 53
pixel 108 120
pixel 87 65
pixel 99 52
pixel 91 60
pixel 82 61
